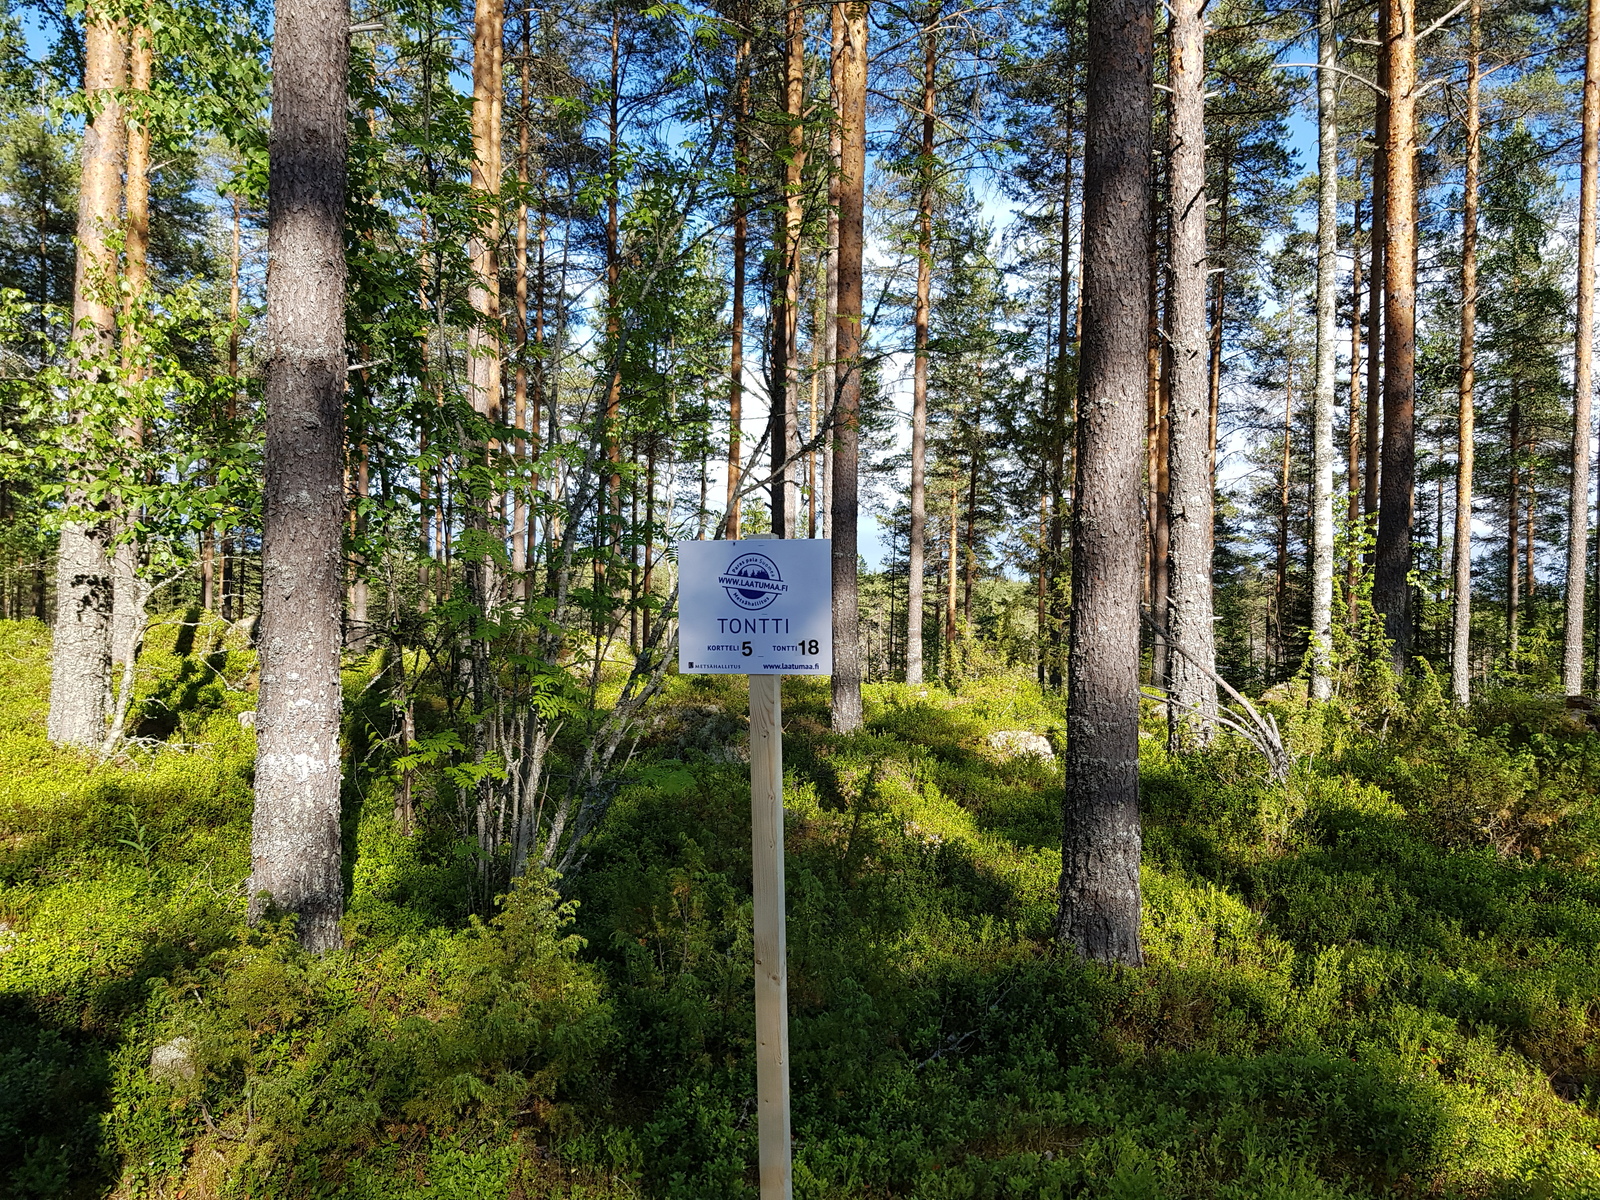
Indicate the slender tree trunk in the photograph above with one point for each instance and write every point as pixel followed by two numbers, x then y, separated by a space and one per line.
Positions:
pixel 951 628
pixel 1583 377
pixel 1391 588
pixel 970 571
pixel 831 316
pixel 1219 301
pixel 613 236
pixel 1353 430
pixel 1281 573
pixel 741 155
pixel 1377 302
pixel 80 659
pixel 295 840
pixel 1063 397
pixel 1099 909
pixel 919 381
pixel 1513 511
pixel 483 292
pixel 786 424
pixel 1322 451
pixel 229 580
pixel 128 618
pixel 852 194
pixel 358 626
pixel 1461 614
pixel 1191 717
pixel 519 502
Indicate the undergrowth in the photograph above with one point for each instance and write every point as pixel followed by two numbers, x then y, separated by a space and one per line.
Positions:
pixel 1380 978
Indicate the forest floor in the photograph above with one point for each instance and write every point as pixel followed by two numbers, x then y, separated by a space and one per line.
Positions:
pixel 1379 978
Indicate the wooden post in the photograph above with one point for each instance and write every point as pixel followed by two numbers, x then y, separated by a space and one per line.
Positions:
pixel 771 944
pixel 772 973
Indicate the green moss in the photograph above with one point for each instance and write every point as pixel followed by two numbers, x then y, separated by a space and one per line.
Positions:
pixel 1381 978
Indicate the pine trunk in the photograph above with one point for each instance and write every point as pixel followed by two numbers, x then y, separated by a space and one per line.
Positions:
pixel 1461 609
pixel 1191 715
pixel 919 380
pixel 852 195
pixel 1391 586
pixel 1322 451
pixel 483 292
pixel 741 154
pixel 295 839
pixel 128 618
pixel 1578 501
pixel 1098 917
pixel 80 660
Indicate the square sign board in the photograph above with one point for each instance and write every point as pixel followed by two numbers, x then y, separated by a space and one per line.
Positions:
pixel 756 607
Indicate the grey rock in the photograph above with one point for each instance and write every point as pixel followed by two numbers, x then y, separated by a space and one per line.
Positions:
pixel 1019 743
pixel 172 1060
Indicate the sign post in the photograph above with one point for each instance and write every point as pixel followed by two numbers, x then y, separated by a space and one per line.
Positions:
pixel 764 611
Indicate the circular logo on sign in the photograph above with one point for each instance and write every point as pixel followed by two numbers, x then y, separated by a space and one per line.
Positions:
pixel 752 581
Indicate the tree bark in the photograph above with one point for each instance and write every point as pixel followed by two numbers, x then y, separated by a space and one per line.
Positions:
pixel 483 291
pixel 1322 451
pixel 1513 509
pixel 1583 374
pixel 1353 425
pixel 1064 420
pixel 1191 717
pixel 1281 572
pixel 1098 917
pixel 520 508
pixel 80 660
pixel 919 380
pixel 741 155
pixel 1391 589
pixel 1461 609
pixel 128 619
pixel 295 835
pixel 1376 302
pixel 852 180
pixel 786 423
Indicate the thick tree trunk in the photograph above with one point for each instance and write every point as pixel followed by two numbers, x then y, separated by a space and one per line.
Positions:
pixel 1099 909
pixel 919 379
pixel 1322 452
pixel 1461 609
pixel 1191 716
pixel 852 194
pixel 1583 378
pixel 295 837
pixel 80 660
pixel 1391 587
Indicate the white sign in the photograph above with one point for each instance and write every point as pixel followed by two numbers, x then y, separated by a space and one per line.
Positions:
pixel 755 607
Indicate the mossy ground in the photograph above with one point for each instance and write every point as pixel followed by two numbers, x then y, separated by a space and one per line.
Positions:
pixel 1382 978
